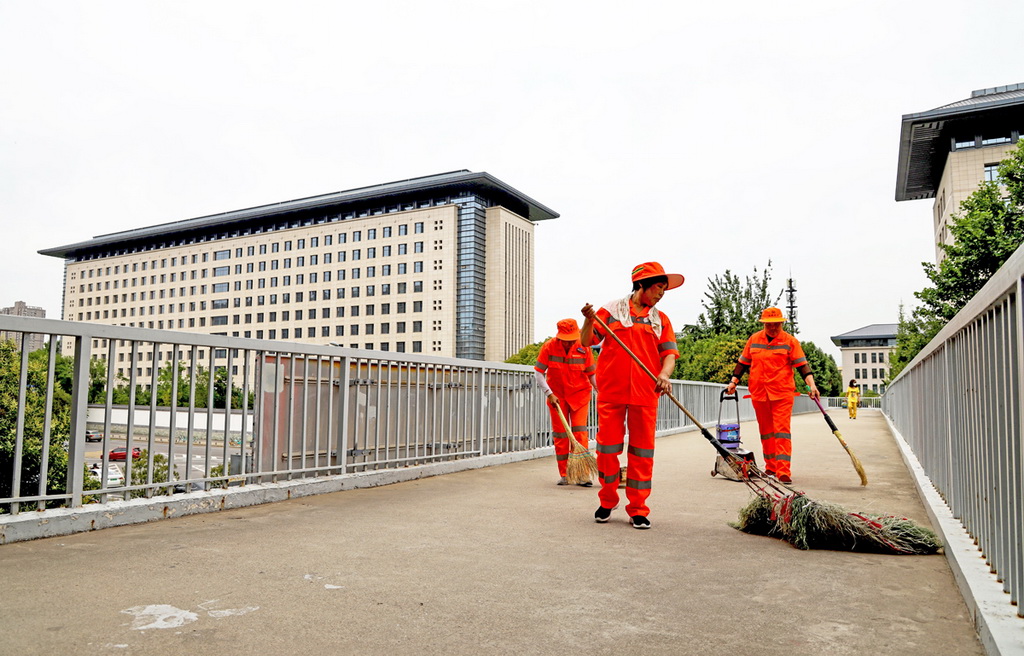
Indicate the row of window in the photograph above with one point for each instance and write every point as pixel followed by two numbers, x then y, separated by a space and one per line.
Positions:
pixel 219 288
pixel 275 247
pixel 876 373
pixel 221 320
pixel 980 141
pixel 862 358
pixel 400 268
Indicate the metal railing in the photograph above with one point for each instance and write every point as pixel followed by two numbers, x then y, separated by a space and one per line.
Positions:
pixel 959 405
pixel 874 402
pixel 197 412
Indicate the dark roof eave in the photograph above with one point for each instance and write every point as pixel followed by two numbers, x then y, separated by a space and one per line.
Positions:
pixel 454 180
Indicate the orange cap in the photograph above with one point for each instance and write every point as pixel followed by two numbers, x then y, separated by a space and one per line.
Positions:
pixel 568 330
pixel 653 269
pixel 772 315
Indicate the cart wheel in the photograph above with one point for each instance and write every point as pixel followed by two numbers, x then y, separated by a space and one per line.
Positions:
pixel 714 472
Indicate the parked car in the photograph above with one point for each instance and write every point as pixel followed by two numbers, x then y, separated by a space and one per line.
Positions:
pixel 114 476
pixel 93 436
pixel 121 453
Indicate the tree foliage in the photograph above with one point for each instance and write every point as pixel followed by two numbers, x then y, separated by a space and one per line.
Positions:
pixel 709 359
pixel 826 372
pixel 34 423
pixel 986 231
pixel 528 354
pixel 733 306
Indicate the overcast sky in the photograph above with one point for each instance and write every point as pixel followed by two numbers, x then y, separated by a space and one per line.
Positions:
pixel 707 136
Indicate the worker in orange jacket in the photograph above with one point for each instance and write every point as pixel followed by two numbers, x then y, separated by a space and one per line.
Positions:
pixel 771 355
pixel 565 372
pixel 627 397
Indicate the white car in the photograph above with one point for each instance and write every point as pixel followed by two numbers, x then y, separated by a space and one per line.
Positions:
pixel 115 478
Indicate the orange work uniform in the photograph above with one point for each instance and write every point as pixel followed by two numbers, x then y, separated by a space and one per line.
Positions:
pixel 567 367
pixel 771 391
pixel 627 397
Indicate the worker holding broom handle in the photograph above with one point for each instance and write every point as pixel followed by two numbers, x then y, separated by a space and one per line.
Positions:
pixel 565 371
pixel 771 355
pixel 627 396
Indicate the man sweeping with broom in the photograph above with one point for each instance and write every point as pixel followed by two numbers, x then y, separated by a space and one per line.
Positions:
pixel 565 372
pixel 626 395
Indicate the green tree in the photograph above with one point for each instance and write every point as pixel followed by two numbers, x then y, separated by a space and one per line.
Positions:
pixel 826 372
pixel 528 354
pixel 912 334
pixel 34 423
pixel 988 229
pixel 733 306
pixel 709 359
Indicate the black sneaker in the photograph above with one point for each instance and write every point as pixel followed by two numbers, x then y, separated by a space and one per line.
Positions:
pixel 639 521
pixel 586 484
pixel 602 514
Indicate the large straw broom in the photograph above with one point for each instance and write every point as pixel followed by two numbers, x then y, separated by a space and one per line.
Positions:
pixel 582 466
pixel 779 510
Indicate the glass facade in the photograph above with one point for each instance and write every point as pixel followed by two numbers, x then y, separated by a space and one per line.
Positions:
pixel 471 279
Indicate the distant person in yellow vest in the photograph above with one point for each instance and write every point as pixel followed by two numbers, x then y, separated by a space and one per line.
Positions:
pixel 852 398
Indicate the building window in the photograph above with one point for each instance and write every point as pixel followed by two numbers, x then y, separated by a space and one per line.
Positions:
pixel 991 173
pixel 221 271
pixel 222 255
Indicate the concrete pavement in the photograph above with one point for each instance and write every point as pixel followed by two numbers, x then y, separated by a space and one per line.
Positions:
pixel 499 561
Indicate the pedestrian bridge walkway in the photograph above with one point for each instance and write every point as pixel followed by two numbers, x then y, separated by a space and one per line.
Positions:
pixel 500 560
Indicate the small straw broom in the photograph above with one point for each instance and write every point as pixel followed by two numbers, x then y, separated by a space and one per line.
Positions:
pixel 835 431
pixel 780 511
pixel 582 466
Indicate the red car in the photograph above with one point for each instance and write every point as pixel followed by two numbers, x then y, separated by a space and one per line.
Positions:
pixel 122 453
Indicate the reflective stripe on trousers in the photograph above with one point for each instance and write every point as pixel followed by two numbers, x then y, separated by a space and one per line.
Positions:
pixel 613 419
pixel 773 419
pixel 578 422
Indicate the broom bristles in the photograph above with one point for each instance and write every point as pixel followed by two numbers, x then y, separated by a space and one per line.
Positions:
pixel 582 465
pixel 809 524
pixel 853 458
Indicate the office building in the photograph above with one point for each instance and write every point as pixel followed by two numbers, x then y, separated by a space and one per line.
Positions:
pixel 946 152
pixel 866 353
pixel 440 265
pixel 21 309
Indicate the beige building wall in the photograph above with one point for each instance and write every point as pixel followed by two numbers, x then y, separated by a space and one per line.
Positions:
pixel 869 365
pixel 510 282
pixel 964 172
pixel 384 282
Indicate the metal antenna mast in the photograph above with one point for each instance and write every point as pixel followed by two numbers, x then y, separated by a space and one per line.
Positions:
pixel 791 305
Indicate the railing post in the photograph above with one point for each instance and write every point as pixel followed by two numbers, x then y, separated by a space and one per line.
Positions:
pixel 79 408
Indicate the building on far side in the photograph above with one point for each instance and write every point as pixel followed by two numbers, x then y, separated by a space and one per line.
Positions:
pixel 21 309
pixel 865 355
pixel 441 265
pixel 946 152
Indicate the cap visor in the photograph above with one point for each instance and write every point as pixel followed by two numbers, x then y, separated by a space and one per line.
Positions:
pixel 675 280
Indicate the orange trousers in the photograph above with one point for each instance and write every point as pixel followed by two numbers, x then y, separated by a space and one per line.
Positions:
pixel 773 419
pixel 612 421
pixel 578 422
